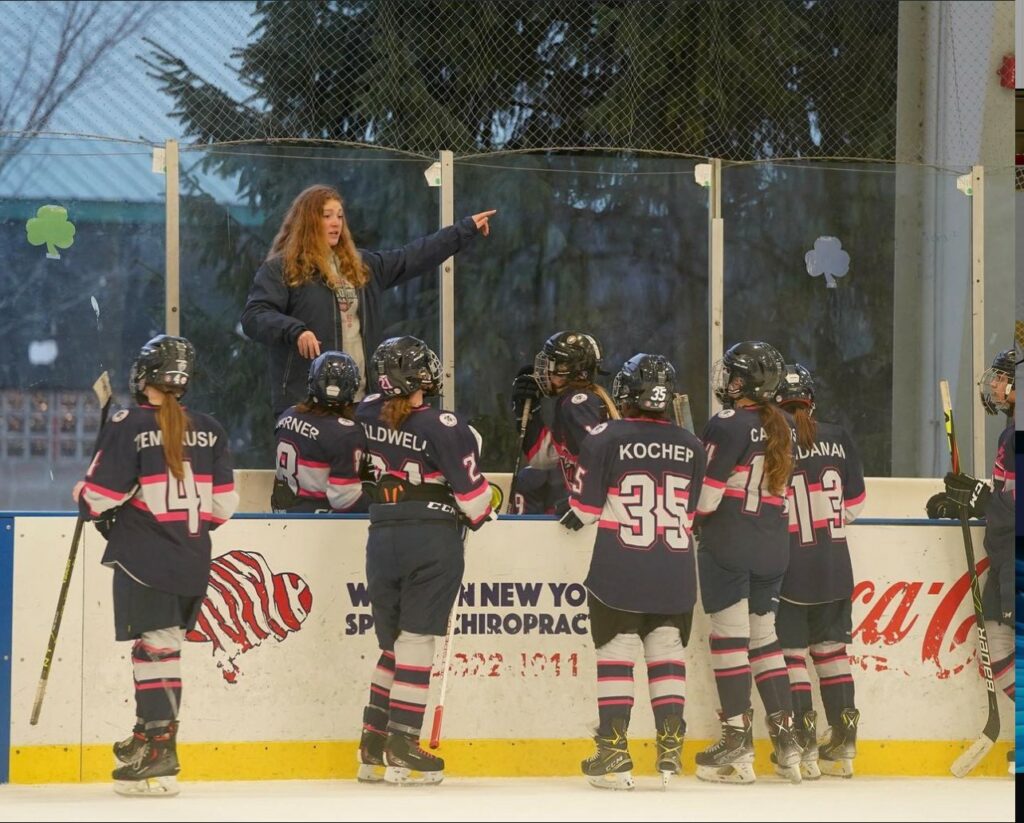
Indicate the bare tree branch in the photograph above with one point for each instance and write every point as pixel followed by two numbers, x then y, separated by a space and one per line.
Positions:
pixel 88 31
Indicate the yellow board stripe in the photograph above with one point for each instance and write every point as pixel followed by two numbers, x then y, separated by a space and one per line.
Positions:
pixel 336 760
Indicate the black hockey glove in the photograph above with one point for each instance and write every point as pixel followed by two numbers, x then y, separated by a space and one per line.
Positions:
pixel 940 506
pixel 561 506
pixel 968 491
pixel 105 522
pixel 524 388
pixel 571 521
pixel 282 498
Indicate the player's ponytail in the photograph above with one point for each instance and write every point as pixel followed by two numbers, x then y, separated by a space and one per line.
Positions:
pixel 806 426
pixel 173 422
pixel 778 458
pixel 395 411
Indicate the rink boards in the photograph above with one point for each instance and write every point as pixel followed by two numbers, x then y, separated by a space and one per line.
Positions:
pixel 276 675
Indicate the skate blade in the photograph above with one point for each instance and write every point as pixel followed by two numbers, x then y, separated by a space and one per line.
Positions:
pixel 150 787
pixel 733 773
pixel 809 770
pixel 794 774
pixel 667 775
pixel 615 780
pixel 400 776
pixel 369 773
pixel 836 768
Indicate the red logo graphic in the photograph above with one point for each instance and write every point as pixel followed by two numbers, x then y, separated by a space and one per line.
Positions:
pixel 893 614
pixel 245 604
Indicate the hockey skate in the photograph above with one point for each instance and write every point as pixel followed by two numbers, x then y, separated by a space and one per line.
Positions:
pixel 407 764
pixel 787 755
pixel 129 749
pixel 610 767
pixel 731 759
pixel 371 756
pixel 835 757
pixel 154 770
pixel 807 737
pixel 669 743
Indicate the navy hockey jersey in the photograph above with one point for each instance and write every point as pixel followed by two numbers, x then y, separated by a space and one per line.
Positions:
pixel 162 534
pixel 826 493
pixel 319 456
pixel 538 491
pixel 432 447
pixel 640 480
pixel 576 414
pixel 1001 512
pixel 736 513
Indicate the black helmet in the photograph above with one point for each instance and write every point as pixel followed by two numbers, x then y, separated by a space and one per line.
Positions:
pixel 404 365
pixel 333 379
pixel 573 355
pixel 751 369
pixel 797 386
pixel 646 381
pixel 165 362
pixel 1004 364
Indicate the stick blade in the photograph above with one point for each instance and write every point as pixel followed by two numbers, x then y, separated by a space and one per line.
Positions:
pixel 967 762
pixel 101 388
pixel 435 730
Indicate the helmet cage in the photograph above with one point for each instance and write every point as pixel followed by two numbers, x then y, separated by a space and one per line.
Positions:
pixel 993 391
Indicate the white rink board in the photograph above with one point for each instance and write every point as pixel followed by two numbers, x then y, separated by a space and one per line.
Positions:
pixel 914 679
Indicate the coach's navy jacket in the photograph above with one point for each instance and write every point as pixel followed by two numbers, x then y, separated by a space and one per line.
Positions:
pixel 276 314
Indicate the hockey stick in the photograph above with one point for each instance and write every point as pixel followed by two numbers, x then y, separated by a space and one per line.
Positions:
pixel 966 762
pixel 435 729
pixel 681 411
pixel 523 422
pixel 103 394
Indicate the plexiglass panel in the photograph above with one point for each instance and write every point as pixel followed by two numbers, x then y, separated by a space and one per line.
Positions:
pixel 81 288
pixel 616 246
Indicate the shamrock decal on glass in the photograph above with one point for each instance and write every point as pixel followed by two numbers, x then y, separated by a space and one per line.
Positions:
pixel 827 258
pixel 51 227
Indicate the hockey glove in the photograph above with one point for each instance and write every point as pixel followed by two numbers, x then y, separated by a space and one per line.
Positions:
pixel 940 506
pixel 561 506
pixel 968 491
pixel 524 388
pixel 105 522
pixel 571 521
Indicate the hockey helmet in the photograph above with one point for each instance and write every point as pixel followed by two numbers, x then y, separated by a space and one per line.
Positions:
pixel 995 394
pixel 752 369
pixel 796 386
pixel 333 379
pixel 165 362
pixel 646 381
pixel 404 365
pixel 573 355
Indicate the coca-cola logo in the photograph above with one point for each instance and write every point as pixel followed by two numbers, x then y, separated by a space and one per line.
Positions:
pixel 893 614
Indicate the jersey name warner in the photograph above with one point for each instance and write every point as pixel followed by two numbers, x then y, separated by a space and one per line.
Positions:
pixel 299 427
pixel 655 451
pixel 144 440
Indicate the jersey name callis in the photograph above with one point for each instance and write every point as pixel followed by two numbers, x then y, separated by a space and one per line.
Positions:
pixel 823 448
pixel 382 434
pixel 144 440
pixel 299 427
pixel 657 451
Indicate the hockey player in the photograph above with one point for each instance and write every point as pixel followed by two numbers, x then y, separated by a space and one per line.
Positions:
pixel 319 446
pixel 639 478
pixel 565 368
pixel 826 493
pixel 744 551
pixel 539 491
pixel 167 475
pixel 997 505
pixel 428 486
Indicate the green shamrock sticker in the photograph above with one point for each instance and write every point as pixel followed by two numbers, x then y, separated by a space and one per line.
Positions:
pixel 52 227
